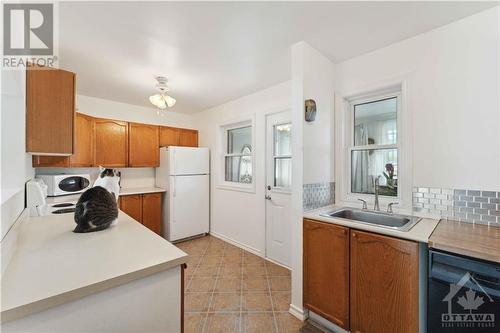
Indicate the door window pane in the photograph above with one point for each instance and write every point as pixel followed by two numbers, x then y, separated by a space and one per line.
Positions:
pixel 375 123
pixel 367 164
pixel 283 172
pixel 283 139
pixel 238 139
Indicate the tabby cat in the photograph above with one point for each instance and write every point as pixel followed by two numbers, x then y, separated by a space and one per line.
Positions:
pixel 97 209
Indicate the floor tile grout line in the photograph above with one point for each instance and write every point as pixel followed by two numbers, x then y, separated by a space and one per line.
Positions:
pixel 199 263
pixel 275 320
pixel 214 285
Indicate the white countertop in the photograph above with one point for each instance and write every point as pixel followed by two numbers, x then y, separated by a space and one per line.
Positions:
pixel 420 231
pixel 52 265
pixel 141 190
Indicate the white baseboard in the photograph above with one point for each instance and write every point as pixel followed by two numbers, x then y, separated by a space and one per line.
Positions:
pixel 238 244
pixel 297 312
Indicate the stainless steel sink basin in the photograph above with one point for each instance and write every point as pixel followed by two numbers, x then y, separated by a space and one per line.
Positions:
pixel 379 219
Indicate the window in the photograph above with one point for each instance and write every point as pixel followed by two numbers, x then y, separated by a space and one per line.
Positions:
pixel 374 147
pixel 238 155
pixel 282 156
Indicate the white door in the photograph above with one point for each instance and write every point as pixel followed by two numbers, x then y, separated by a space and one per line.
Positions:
pixel 189 206
pixel 278 187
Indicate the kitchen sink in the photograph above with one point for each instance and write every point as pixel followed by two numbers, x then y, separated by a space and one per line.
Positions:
pixel 379 219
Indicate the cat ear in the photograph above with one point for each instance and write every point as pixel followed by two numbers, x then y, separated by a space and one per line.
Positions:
pixel 101 168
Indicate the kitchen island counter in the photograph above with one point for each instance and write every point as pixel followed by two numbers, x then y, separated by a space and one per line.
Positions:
pixel 51 265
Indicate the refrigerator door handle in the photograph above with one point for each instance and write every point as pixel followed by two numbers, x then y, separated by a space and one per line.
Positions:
pixel 173 187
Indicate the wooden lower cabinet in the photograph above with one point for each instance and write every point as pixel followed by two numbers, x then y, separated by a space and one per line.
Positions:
pixel 384 284
pixel 151 211
pixel 132 206
pixel 326 271
pixel 361 281
pixel 144 208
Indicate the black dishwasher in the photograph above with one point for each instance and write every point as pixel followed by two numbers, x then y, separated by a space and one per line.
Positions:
pixel 464 294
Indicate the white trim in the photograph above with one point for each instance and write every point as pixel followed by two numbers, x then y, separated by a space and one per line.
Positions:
pixel 236 243
pixel 342 144
pixel 297 312
pixel 221 141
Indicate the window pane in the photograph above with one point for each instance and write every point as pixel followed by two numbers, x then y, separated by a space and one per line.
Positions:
pixel 238 169
pixel 239 139
pixel 283 139
pixel 283 172
pixel 375 122
pixel 368 164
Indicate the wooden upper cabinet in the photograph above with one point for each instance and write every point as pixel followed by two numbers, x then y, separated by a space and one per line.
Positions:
pixel 188 138
pixel 84 152
pixel 50 111
pixel 169 136
pixel 110 143
pixel 151 211
pixel 143 145
pixel 50 161
pixel 384 284
pixel 132 206
pixel 326 271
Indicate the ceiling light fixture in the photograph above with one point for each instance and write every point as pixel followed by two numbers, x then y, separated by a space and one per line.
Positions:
pixel 162 100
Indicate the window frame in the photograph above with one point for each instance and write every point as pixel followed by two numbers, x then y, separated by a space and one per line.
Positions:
pixel 351 144
pixel 223 130
pixel 344 136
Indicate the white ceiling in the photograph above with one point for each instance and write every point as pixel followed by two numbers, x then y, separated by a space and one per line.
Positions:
pixel 215 52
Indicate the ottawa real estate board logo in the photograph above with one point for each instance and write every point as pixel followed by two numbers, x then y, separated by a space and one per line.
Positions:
pixel 28 35
pixel 468 296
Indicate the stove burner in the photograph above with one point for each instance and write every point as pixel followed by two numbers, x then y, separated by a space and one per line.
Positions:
pixel 64 204
pixel 64 210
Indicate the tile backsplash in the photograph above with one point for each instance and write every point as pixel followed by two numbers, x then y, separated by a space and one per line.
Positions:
pixel 473 206
pixel 318 195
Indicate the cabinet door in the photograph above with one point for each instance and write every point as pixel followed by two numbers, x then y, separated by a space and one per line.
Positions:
pixel 50 161
pixel 188 138
pixel 110 143
pixel 132 206
pixel 84 153
pixel 144 145
pixel 50 110
pixel 384 284
pixel 151 211
pixel 169 136
pixel 326 271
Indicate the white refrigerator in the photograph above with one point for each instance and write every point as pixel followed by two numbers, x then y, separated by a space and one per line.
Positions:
pixel 185 173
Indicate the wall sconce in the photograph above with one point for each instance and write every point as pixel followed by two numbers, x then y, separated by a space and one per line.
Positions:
pixel 310 110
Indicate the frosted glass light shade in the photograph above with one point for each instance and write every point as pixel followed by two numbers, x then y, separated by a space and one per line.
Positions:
pixel 162 101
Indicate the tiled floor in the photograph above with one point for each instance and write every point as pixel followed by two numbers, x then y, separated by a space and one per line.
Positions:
pixel 232 290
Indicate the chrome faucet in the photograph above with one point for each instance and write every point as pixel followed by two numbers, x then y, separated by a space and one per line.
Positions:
pixel 376 185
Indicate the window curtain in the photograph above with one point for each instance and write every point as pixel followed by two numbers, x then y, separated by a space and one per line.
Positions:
pixel 361 183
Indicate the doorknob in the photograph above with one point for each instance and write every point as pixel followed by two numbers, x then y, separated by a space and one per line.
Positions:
pixel 268 197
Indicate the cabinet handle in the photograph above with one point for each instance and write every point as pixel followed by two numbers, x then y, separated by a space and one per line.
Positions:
pixel 344 231
pixel 354 234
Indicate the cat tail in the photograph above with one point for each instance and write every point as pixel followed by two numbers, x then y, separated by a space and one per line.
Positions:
pixel 81 229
